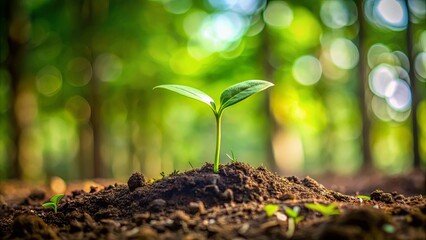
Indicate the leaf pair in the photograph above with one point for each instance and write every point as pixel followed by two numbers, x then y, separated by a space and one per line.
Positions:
pixel 232 95
pixel 53 202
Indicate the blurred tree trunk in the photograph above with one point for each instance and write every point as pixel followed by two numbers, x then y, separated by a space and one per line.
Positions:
pixel 16 20
pixel 367 161
pixel 413 83
pixel 89 17
pixel 268 71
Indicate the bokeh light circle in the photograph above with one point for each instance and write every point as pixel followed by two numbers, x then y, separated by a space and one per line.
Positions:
pixel 420 65
pixel 278 14
pixel 307 70
pixel 398 95
pixel 388 14
pixel 49 80
pixel 380 78
pixel 338 14
pixel 344 53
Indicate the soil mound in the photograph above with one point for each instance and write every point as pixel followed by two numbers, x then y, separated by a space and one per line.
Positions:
pixel 200 204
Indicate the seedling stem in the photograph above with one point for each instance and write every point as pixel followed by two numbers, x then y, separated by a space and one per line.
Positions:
pixel 218 140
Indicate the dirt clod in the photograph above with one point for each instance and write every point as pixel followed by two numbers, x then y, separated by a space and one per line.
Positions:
pixel 135 181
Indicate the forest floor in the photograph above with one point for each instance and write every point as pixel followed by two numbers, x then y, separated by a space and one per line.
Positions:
pixel 200 204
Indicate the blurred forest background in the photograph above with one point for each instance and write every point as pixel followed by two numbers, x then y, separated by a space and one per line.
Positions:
pixel 76 79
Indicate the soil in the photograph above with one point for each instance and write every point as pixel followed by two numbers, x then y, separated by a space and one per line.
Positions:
pixel 200 204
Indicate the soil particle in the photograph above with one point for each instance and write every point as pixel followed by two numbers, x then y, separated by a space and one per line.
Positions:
pixel 379 195
pixel 32 227
pixel 357 224
pixel 200 204
pixel 135 181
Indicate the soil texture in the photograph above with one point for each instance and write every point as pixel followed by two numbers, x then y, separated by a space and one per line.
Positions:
pixel 200 204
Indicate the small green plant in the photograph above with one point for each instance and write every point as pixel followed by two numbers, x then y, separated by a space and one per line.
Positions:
pixel 53 202
pixel 270 209
pixel 174 173
pixel 232 157
pixel 293 219
pixel 325 210
pixel 364 197
pixel 230 96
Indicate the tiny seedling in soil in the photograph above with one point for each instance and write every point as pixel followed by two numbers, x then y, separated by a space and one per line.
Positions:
pixel 53 202
pixel 230 96
pixel 293 219
pixel 325 210
pixel 270 209
pixel 232 157
pixel 364 197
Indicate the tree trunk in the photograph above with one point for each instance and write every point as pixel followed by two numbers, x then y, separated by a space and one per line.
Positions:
pixel 268 71
pixel 367 161
pixel 14 28
pixel 414 96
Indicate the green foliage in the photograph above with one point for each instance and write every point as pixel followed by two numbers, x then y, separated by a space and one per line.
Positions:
pixel 364 197
pixel 232 157
pixel 325 210
pixel 53 202
pixel 270 209
pixel 174 173
pixel 293 213
pixel 230 96
pixel 294 218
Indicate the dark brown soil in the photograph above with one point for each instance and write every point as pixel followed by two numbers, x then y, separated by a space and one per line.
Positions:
pixel 200 204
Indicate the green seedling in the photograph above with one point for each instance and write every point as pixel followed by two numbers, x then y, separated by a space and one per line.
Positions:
pixel 364 197
pixel 270 209
pixel 293 219
pixel 53 202
pixel 232 157
pixel 174 173
pixel 230 96
pixel 325 210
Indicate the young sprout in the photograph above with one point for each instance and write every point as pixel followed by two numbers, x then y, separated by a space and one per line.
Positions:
pixel 364 197
pixel 53 202
pixel 232 157
pixel 270 209
pixel 293 219
pixel 325 210
pixel 230 96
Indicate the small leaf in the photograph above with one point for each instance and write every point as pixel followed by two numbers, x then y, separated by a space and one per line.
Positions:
pixel 55 199
pixel 49 204
pixel 292 212
pixel 298 219
pixel 240 91
pixel 325 210
pixel 270 209
pixel 364 197
pixel 191 93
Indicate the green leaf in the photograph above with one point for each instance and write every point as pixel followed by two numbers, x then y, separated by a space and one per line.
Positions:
pixel 55 199
pixel 240 91
pixel 364 197
pixel 325 210
pixel 191 93
pixel 292 212
pixel 270 209
pixel 49 204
